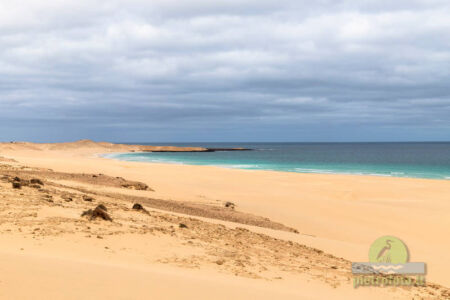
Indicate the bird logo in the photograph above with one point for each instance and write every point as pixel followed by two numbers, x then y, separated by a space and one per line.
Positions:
pixel 384 255
pixel 389 255
pixel 388 249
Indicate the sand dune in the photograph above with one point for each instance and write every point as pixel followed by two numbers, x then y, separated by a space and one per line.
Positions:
pixel 88 145
pixel 188 244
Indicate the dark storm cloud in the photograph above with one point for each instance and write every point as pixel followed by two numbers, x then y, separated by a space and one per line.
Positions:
pixel 262 68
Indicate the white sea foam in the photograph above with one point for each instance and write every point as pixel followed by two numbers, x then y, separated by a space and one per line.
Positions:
pixel 238 166
pixel 306 170
pixel 379 174
pixel 325 171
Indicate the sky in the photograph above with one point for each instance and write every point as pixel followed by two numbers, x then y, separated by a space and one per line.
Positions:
pixel 225 70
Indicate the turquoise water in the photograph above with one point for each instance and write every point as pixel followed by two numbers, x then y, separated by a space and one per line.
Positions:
pixel 421 160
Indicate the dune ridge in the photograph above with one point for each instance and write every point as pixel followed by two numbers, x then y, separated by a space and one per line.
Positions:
pixel 106 147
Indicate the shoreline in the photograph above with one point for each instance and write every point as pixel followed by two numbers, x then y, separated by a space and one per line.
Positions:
pixel 103 155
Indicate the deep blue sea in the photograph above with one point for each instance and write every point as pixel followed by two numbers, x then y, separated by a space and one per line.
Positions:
pixel 422 160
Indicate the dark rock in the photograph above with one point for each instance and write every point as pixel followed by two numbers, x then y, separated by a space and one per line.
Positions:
pixel 16 185
pixel 16 180
pixel 136 186
pixel 36 181
pixel 230 205
pixel 35 186
pixel 200 150
pixel 88 198
pixel 137 206
pixel 182 225
pixel 226 149
pixel 98 212
pixel 101 206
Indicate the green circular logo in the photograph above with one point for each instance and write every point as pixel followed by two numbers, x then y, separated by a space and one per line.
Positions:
pixel 388 249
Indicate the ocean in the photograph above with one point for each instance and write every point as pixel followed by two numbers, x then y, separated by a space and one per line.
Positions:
pixel 421 160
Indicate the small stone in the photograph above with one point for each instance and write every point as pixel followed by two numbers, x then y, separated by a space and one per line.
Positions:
pixel 230 205
pixel 137 206
pixel 220 262
pixel 87 198
pixel 182 225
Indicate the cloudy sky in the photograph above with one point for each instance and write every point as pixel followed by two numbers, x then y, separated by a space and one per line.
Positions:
pixel 225 70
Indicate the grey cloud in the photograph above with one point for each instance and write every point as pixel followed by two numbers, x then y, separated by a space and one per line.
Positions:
pixel 180 66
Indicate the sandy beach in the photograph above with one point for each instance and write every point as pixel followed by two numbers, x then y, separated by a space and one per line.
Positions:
pixel 203 231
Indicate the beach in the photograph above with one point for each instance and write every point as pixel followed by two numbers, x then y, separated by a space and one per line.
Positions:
pixel 281 234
